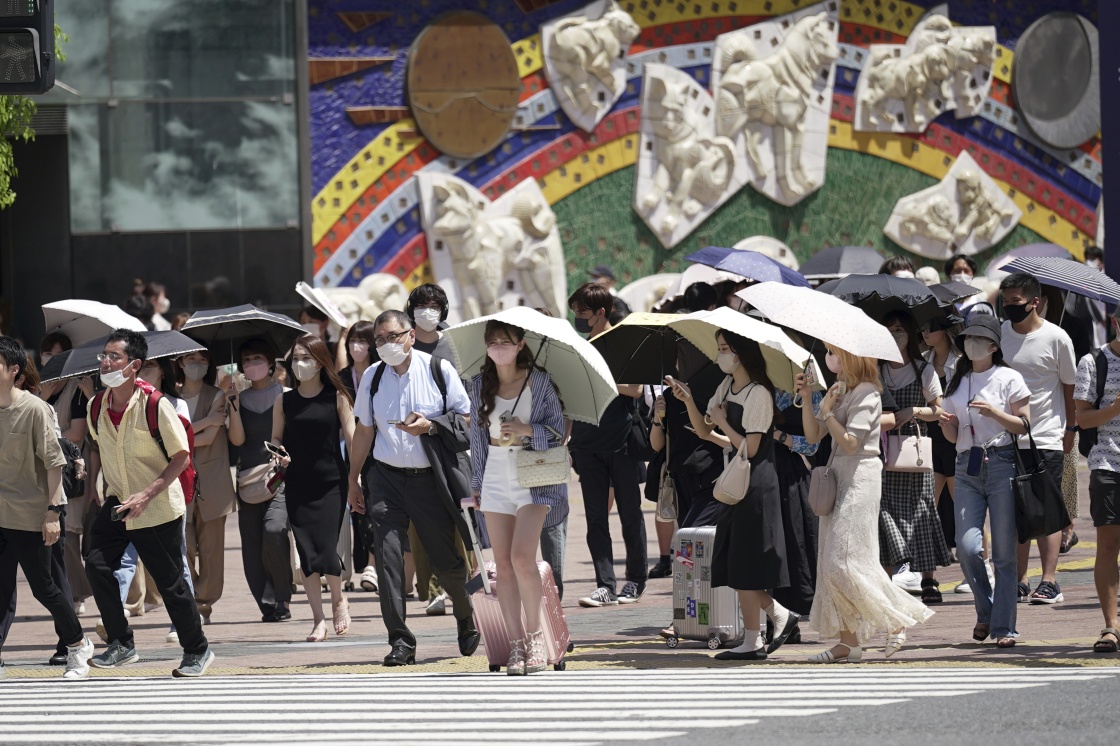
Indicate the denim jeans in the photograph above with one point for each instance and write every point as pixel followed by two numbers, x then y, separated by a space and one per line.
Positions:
pixel 127 571
pixel 989 493
pixel 553 543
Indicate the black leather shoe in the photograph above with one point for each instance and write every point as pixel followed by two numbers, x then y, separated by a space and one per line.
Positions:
pixel 781 636
pixel 468 637
pixel 661 570
pixel 750 655
pixel 400 655
pixel 58 659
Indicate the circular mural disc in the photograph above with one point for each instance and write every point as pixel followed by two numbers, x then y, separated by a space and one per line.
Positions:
pixel 1055 79
pixel 463 84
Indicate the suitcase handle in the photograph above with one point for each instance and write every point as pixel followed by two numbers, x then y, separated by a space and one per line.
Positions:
pixel 468 504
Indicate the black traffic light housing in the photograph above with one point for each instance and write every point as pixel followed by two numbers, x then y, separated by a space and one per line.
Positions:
pixel 26 46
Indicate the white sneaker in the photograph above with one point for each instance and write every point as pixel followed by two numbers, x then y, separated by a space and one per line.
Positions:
pixel 911 582
pixel 80 608
pixel 369 579
pixel 991 573
pixel 963 588
pixel 100 627
pixel 77 660
pixel 172 636
pixel 437 606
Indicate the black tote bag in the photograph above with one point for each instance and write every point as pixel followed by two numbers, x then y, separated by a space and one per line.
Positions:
pixel 1040 509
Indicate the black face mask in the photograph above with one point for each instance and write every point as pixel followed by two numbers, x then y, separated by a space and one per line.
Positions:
pixel 583 326
pixel 1016 314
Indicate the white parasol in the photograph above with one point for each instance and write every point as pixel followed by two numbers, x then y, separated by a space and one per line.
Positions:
pixel 86 320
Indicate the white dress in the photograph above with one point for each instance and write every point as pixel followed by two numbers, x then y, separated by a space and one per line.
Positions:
pixel 853 593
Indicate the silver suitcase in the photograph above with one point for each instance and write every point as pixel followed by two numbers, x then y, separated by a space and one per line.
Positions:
pixel 699 611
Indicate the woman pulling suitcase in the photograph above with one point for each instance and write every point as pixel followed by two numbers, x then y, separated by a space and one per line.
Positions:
pixel 515 405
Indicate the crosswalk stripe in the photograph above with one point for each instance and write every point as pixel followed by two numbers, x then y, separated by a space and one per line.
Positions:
pixel 562 709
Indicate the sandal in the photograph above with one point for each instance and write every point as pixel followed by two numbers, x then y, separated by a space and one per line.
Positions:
pixel 981 631
pixel 1105 645
pixel 341 617
pixel 1005 642
pixel 318 632
pixel 1068 544
pixel 931 593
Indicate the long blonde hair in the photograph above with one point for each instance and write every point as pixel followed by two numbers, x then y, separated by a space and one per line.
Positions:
pixel 856 370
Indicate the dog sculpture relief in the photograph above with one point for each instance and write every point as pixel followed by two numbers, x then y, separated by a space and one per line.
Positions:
pixel 484 248
pixel 584 54
pixel 775 91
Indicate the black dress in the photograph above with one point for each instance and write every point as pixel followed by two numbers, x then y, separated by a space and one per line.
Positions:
pixel 315 479
pixel 797 516
pixel 750 544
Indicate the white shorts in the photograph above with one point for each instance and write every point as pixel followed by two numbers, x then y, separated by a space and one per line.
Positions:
pixel 500 491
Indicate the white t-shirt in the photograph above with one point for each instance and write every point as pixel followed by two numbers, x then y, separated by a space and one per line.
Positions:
pixel 1045 360
pixel 999 386
pixel 896 378
pixel 1106 453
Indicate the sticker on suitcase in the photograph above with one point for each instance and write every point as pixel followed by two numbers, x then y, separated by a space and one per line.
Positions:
pixel 690 608
pixel 702 614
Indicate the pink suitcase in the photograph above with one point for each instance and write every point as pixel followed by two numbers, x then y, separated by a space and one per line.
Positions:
pixel 488 614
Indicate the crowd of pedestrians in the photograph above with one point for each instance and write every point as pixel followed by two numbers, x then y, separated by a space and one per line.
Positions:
pixel 340 449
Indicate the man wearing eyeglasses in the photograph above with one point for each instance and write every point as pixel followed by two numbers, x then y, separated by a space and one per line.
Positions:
pixel 403 487
pixel 144 505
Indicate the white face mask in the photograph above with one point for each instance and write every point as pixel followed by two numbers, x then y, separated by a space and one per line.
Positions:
pixel 978 348
pixel 114 378
pixel 359 351
pixel 904 273
pixel 727 362
pixel 163 306
pixel 305 370
pixel 961 277
pixel 392 353
pixel 195 371
pixel 901 338
pixel 1095 264
pixel 427 318
pixel 312 328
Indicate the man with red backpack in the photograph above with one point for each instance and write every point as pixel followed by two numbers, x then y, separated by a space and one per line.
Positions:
pixel 144 503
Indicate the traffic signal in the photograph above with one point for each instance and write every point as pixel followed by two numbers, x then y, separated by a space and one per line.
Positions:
pixel 26 46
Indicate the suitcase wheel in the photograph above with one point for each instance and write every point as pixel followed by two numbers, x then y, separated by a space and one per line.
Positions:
pixel 561 666
pixel 671 642
pixel 714 643
pixel 494 668
pixel 571 646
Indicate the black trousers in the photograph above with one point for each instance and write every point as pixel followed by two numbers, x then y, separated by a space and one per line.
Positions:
pixel 43 567
pixel 161 550
pixel 598 472
pixel 395 500
pixel 266 552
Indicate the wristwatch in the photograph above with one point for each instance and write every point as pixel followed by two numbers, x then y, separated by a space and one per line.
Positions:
pixel 431 428
pixel 60 509
pixel 1072 429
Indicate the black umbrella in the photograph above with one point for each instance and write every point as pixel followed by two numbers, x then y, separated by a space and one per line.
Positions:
pixel 641 348
pixel 837 261
pixel 223 330
pixel 82 361
pixel 879 295
pixel 954 292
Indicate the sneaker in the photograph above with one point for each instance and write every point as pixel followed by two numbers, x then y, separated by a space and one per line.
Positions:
pixel 991 573
pixel 963 588
pixel 631 592
pixel 194 665
pixel 438 606
pixel 601 597
pixel 911 582
pixel 80 608
pixel 172 636
pixel 1024 593
pixel 369 579
pixel 1047 593
pixel 101 631
pixel 77 660
pixel 662 569
pixel 116 655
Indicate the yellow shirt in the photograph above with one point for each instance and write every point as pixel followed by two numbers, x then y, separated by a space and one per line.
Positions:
pixel 28 449
pixel 131 458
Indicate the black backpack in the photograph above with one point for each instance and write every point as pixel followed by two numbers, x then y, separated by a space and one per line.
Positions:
pixel 437 374
pixel 1087 437
pixel 72 487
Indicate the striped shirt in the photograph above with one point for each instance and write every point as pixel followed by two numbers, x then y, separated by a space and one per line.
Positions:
pixel 546 412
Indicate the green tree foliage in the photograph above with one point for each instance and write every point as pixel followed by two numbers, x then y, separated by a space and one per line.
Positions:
pixel 15 124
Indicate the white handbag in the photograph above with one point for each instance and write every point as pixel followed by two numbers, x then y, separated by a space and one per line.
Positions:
pixel 544 468
pixel 732 485
pixel 910 453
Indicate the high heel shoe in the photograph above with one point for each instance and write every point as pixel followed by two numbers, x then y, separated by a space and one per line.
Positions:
pixel 854 654
pixel 895 641
pixel 318 632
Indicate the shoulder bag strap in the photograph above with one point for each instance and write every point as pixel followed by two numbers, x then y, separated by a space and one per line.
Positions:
pixel 1102 376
